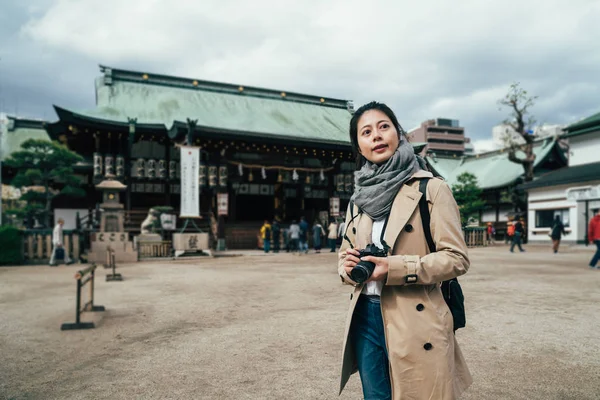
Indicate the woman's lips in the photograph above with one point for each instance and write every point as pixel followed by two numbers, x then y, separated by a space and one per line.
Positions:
pixel 380 149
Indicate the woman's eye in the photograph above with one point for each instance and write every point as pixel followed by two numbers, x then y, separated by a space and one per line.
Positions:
pixel 384 126
pixel 366 132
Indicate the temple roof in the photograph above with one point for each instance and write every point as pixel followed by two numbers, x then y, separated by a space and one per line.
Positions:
pixel 586 125
pixel 166 101
pixel 492 169
pixel 15 131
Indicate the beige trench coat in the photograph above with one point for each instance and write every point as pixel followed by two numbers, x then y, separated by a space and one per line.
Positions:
pixel 425 360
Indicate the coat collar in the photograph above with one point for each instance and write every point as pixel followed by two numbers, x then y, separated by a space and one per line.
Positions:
pixel 403 207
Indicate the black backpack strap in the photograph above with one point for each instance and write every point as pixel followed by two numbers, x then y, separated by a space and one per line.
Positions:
pixel 425 216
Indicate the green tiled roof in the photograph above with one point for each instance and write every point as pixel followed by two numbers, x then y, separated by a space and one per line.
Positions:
pixel 493 169
pixel 19 130
pixel 586 125
pixel 566 175
pixel 165 100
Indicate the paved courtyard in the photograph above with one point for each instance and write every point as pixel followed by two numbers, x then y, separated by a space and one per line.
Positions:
pixel 270 327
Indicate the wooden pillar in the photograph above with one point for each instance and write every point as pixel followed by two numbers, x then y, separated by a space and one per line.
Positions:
pixel 497 205
pixel 40 246
pixel 168 180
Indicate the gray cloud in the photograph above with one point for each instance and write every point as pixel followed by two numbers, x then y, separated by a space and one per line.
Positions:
pixel 452 60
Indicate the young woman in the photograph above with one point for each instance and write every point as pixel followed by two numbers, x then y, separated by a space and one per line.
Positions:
pixel 399 333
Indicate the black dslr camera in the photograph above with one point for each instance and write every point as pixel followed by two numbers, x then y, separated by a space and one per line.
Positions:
pixel 364 269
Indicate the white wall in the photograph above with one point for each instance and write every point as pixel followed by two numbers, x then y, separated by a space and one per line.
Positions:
pixel 552 198
pixel 69 215
pixel 584 149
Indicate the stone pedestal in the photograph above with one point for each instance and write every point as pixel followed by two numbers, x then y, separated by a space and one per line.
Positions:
pixel 118 241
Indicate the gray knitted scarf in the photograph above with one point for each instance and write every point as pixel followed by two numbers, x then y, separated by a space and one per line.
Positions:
pixel 376 186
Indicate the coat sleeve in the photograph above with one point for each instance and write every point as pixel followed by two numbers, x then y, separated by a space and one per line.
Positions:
pixel 342 253
pixel 450 258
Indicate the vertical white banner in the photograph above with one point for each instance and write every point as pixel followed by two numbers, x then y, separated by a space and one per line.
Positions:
pixel 190 164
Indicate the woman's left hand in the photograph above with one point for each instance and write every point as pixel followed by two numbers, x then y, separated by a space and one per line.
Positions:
pixel 381 268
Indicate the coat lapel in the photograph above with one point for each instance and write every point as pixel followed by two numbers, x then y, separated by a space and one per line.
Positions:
pixel 404 205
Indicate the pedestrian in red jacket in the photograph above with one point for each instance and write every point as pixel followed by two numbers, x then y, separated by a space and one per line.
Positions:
pixel 594 236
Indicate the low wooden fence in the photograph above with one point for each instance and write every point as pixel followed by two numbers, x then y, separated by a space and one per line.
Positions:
pixel 475 236
pixel 37 245
pixel 154 249
pixel 89 305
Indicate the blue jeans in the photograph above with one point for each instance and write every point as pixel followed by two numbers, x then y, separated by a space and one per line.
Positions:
pixel 304 245
pixel 331 244
pixel 597 255
pixel 267 245
pixel 368 341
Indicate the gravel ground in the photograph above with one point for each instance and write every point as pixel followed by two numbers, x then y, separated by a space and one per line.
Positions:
pixel 271 326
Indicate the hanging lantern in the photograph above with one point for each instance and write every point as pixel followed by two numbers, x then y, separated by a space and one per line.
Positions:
pixel 172 170
pixel 348 183
pixel 339 180
pixel 308 179
pixel 97 164
pixel 250 176
pixel 162 169
pixel 223 176
pixel 141 168
pixel 151 169
pixel 202 175
pixel 295 176
pixel 212 176
pixel 263 173
pixel 120 166
pixel 279 177
pixel 109 167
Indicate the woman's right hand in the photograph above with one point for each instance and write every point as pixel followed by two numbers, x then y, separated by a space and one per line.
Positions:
pixel 351 260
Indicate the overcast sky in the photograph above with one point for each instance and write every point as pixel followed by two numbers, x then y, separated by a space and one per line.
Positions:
pixel 425 59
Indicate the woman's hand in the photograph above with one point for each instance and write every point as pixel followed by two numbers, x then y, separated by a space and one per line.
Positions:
pixel 381 268
pixel 351 260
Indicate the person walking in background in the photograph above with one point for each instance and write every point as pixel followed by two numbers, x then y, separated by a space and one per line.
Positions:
pixel 265 232
pixel 558 229
pixel 276 229
pixel 303 235
pixel 510 232
pixel 294 236
pixel 490 233
pixel 332 234
pixel 318 233
pixel 58 246
pixel 594 236
pixel 518 234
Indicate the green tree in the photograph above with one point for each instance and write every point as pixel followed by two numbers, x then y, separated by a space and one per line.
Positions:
pixel 49 166
pixel 519 103
pixel 468 197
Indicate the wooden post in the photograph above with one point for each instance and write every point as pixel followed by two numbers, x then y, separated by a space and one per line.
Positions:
pixel 49 245
pixel 30 247
pixel 67 245
pixel 40 246
pixel 76 250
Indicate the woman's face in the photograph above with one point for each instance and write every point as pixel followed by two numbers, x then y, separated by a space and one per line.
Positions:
pixel 377 136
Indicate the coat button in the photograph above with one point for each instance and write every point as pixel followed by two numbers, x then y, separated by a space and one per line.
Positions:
pixel 408 228
pixel 427 346
pixel 420 307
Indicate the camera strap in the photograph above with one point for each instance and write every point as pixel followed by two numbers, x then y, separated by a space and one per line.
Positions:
pixel 351 222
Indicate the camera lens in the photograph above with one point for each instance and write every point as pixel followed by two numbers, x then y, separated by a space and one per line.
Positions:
pixel 362 271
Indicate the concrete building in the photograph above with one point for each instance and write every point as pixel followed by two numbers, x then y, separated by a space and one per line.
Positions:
pixel 443 136
pixel 570 192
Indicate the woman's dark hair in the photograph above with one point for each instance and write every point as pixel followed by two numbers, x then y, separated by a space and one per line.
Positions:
pixel 360 160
